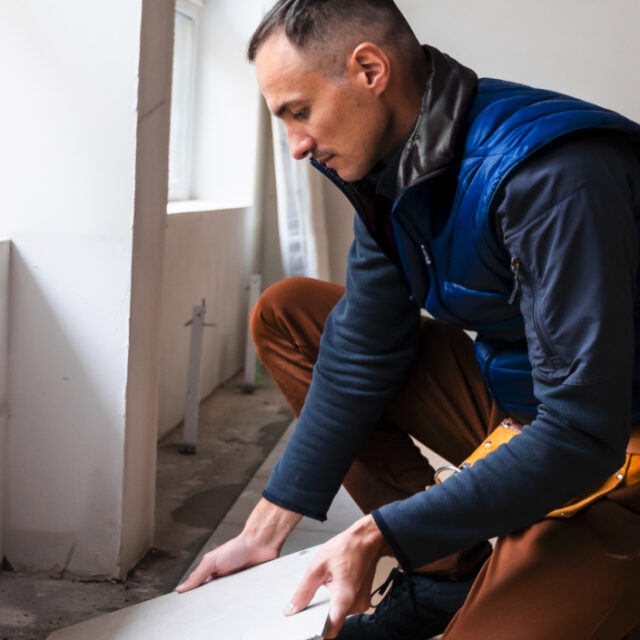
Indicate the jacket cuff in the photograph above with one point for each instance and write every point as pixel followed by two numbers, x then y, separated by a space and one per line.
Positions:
pixel 391 541
pixel 296 508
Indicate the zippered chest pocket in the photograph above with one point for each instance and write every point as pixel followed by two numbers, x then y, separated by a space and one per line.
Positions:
pixel 543 353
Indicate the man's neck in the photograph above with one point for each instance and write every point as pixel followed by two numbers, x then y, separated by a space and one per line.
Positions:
pixel 406 100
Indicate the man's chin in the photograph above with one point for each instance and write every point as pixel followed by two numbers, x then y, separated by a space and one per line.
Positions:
pixel 350 174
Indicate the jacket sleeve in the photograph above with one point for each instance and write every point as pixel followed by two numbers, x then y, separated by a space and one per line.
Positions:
pixel 570 216
pixel 368 343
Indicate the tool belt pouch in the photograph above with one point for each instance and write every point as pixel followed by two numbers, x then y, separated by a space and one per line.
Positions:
pixel 627 475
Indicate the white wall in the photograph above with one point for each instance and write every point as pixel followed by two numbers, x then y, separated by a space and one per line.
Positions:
pixel 586 48
pixel 5 252
pixel 70 206
pixel 151 178
pixel 340 216
pixel 272 267
pixel 212 251
pixel 205 257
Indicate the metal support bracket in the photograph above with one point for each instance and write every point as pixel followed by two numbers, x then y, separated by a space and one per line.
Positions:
pixel 192 405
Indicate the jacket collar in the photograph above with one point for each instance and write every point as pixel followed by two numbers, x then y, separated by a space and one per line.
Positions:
pixel 435 140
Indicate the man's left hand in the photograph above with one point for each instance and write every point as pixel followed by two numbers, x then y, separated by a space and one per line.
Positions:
pixel 346 565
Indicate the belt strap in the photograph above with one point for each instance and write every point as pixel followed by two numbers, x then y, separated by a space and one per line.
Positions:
pixel 628 474
pixel 634 441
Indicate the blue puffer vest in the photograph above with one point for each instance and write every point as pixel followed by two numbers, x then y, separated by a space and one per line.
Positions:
pixel 452 258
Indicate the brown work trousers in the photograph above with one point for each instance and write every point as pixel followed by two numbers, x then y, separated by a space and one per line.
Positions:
pixel 569 579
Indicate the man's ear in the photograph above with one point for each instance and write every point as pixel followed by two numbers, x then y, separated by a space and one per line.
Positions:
pixel 370 64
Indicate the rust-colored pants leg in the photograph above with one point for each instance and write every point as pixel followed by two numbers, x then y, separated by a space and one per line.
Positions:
pixel 287 323
pixel 576 579
pixel 444 404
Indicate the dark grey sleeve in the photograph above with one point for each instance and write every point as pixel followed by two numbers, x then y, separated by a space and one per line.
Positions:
pixel 570 217
pixel 368 343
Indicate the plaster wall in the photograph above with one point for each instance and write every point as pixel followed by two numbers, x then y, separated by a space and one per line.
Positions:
pixel 272 268
pixel 581 47
pixel 151 179
pixel 205 257
pixel 5 252
pixel 70 136
pixel 340 214
pixel 212 251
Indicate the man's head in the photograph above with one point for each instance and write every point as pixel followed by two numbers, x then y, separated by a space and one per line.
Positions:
pixel 346 77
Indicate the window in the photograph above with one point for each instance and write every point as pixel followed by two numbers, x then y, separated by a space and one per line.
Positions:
pixel 182 97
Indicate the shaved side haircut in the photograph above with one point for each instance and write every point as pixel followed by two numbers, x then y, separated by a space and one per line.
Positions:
pixel 328 30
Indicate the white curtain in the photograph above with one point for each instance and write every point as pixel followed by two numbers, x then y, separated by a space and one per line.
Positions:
pixel 301 214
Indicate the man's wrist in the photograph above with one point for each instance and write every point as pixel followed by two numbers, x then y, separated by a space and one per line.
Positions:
pixel 367 529
pixel 270 524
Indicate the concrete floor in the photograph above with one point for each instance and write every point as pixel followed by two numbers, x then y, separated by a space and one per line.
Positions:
pixel 198 610
pixel 308 532
pixel 202 501
pixel 212 611
pixel 236 434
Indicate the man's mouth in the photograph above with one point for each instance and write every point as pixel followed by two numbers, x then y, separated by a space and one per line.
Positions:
pixel 324 159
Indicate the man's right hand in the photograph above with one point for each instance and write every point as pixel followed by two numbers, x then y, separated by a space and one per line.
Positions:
pixel 264 533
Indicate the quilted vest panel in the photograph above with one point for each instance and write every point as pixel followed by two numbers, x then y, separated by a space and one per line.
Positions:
pixel 455 264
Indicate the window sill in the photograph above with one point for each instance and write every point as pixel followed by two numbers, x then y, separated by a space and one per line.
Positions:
pixel 203 206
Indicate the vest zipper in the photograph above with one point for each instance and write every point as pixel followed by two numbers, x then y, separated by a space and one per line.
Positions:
pixel 515 269
pixel 425 254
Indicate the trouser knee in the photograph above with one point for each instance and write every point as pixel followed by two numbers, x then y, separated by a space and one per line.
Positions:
pixel 296 309
pixel 276 302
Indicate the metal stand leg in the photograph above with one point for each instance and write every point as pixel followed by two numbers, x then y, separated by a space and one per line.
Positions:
pixel 190 433
pixel 251 362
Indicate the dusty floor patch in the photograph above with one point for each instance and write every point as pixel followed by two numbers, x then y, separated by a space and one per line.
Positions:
pixel 236 433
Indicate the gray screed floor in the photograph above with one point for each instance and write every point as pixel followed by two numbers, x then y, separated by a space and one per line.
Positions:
pixel 214 611
pixel 236 433
pixel 202 501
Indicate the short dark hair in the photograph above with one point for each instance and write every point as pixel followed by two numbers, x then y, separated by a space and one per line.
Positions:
pixel 318 24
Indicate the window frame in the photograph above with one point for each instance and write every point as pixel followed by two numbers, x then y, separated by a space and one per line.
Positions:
pixel 180 191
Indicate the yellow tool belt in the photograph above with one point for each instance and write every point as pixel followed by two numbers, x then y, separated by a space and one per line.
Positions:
pixel 627 474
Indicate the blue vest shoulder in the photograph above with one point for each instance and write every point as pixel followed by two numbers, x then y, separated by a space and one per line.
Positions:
pixel 469 275
pixel 508 123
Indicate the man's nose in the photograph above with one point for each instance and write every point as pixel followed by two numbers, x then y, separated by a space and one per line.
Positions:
pixel 300 144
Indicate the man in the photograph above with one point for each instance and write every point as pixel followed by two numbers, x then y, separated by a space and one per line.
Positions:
pixel 501 209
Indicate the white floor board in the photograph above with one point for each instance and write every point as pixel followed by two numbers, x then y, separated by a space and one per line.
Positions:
pixel 247 605
pixel 243 606
pixel 308 533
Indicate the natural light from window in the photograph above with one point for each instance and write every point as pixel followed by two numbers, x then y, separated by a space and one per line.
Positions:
pixel 182 103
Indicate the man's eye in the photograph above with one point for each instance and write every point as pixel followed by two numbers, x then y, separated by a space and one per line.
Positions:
pixel 300 115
